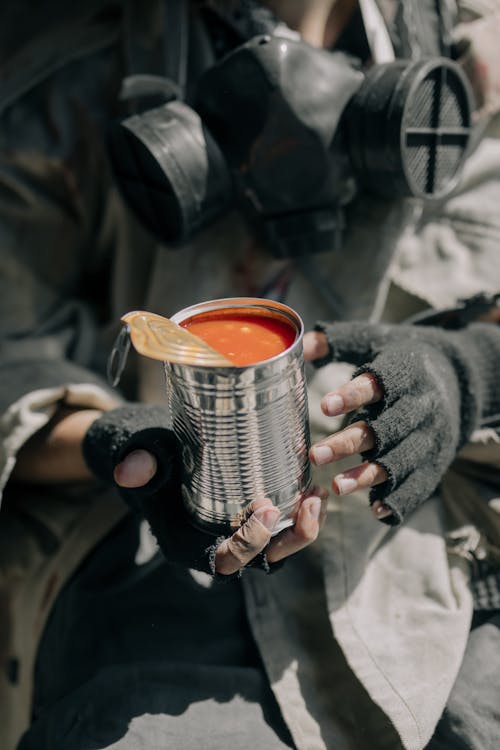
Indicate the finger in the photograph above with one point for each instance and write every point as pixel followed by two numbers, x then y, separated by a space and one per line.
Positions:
pixel 250 539
pixel 380 510
pixel 356 438
pixel 315 345
pixel 492 316
pixel 367 474
pixel 309 520
pixel 136 469
pixel 362 390
pixel 357 342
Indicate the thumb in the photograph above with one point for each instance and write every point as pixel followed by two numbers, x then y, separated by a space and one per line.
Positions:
pixel 315 345
pixel 136 469
pixel 355 342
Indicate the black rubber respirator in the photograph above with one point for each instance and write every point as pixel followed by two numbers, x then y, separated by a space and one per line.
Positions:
pixel 290 134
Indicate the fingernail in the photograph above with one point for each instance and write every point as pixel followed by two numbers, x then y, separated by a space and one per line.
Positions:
pixel 138 466
pixel 318 491
pixel 381 510
pixel 314 507
pixel 321 454
pixel 345 485
pixel 333 405
pixel 267 516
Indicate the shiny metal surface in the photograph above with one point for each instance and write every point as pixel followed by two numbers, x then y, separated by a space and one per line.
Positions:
pixel 160 338
pixel 244 430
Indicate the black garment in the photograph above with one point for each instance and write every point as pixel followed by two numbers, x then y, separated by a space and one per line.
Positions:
pixel 145 655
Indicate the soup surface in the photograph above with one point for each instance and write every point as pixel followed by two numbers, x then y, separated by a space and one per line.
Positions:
pixel 243 338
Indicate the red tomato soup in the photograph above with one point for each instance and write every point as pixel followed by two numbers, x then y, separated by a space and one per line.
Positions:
pixel 244 338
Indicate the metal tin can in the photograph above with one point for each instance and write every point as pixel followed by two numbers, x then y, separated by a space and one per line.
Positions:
pixel 244 430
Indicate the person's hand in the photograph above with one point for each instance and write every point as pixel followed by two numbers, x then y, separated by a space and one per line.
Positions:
pixel 357 438
pixel 422 392
pixel 237 551
pixel 150 480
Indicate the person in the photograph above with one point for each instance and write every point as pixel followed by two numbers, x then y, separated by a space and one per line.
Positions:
pixel 105 643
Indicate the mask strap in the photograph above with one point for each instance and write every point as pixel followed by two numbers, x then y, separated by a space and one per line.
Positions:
pixel 156 41
pixel 176 48
pixel 376 32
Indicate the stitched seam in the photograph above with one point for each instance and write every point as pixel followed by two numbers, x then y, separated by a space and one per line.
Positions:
pixel 361 640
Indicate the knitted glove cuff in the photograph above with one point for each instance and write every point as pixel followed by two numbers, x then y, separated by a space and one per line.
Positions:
pixel 438 387
pixel 120 431
pixel 260 561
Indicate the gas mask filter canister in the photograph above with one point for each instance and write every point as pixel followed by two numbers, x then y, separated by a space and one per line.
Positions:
pixel 290 133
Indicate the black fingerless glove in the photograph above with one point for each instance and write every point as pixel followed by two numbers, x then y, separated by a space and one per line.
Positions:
pixel 138 426
pixel 439 386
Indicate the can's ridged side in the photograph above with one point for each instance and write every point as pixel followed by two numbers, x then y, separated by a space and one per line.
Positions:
pixel 245 435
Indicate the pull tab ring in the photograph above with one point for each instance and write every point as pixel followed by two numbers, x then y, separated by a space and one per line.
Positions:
pixel 118 356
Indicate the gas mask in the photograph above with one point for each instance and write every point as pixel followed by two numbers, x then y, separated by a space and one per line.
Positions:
pixel 290 134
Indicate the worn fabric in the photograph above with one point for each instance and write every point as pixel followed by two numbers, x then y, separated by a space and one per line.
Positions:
pixel 471 717
pixel 73 261
pixel 372 600
pixel 44 536
pixel 474 478
pixel 157 706
pixel 450 251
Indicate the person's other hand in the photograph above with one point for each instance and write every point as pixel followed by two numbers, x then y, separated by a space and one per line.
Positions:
pixel 237 551
pixel 422 391
pixel 354 439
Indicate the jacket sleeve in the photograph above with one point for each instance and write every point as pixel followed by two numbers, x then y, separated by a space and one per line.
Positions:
pixel 56 255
